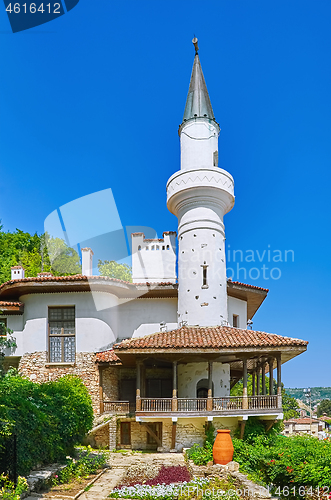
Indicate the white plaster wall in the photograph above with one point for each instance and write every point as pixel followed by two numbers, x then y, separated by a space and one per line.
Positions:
pixel 94 329
pixel 154 263
pixel 198 141
pixel 199 305
pixel 189 375
pixel 238 307
pixel 149 328
pixel 143 316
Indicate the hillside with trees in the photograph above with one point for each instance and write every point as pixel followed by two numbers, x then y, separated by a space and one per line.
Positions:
pixel 36 253
pixel 317 394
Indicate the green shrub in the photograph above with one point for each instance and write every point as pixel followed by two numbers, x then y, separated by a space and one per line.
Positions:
pixel 200 455
pixel 286 461
pixel 9 491
pixel 84 466
pixel 48 419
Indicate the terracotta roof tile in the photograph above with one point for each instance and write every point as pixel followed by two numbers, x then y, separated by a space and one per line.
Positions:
pixel 249 286
pixel 78 277
pixel 208 337
pixel 107 357
pixel 301 421
pixel 4 303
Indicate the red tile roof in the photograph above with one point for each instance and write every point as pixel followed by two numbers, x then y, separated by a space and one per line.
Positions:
pixel 107 357
pixel 208 337
pixel 4 303
pixel 249 286
pixel 301 421
pixel 79 277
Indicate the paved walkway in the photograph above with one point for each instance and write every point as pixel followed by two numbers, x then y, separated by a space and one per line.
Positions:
pixel 120 463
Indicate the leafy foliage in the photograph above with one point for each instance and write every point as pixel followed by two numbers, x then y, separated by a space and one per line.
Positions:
pixel 89 463
pixel 290 406
pixel 9 491
pixel 285 461
pixel 324 407
pixel 112 269
pixel 237 389
pixel 48 419
pixel 317 393
pixel 36 253
pixel 200 455
pixel 6 342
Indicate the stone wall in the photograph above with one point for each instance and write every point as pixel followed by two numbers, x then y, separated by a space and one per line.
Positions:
pixel 189 432
pixel 101 437
pixel 36 368
pixel 109 377
pixel 139 434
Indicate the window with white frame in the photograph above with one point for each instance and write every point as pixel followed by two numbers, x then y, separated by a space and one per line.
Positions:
pixel 61 334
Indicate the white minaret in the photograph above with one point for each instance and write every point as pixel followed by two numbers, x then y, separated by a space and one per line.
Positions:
pixel 199 195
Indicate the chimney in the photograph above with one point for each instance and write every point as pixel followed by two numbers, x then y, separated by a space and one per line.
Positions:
pixel 87 259
pixel 17 272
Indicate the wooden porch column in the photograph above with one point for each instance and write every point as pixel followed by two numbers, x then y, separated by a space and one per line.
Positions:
pixel 210 386
pixel 138 386
pixel 101 391
pixel 279 381
pixel 174 402
pixel 253 383
pixel 257 379
pixel 245 399
pixel 173 435
pixel 263 378
pixel 271 376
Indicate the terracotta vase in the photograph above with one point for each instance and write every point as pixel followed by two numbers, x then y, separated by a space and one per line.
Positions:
pixel 223 447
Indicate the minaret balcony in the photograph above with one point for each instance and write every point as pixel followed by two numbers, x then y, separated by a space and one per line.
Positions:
pixel 186 185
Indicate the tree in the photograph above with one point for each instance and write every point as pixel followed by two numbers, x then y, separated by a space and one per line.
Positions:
pixel 36 253
pixel 6 342
pixel 63 259
pixel 324 407
pixel 290 406
pixel 112 269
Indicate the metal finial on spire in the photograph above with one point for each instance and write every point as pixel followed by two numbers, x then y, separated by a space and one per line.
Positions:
pixel 195 43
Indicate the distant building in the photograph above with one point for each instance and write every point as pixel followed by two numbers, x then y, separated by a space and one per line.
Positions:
pixel 316 427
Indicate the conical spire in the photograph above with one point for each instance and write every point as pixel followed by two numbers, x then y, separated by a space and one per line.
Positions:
pixel 197 103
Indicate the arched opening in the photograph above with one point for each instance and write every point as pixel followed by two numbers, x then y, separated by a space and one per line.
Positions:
pixel 202 388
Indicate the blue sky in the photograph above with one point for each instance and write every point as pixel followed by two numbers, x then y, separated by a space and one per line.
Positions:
pixel 93 101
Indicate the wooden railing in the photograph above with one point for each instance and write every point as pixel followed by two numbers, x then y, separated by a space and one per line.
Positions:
pixel 230 403
pixel 192 404
pixel 116 406
pixel 156 404
pixel 262 402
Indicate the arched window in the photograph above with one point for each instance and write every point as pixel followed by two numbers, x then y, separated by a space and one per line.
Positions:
pixel 202 388
pixel 139 248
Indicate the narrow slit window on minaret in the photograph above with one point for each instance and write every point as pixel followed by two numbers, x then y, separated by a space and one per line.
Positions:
pixel 204 277
pixel 215 158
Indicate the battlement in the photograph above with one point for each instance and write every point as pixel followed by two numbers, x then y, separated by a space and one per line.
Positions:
pixel 154 260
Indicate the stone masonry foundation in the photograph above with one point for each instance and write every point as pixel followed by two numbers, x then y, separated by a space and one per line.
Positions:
pixel 36 368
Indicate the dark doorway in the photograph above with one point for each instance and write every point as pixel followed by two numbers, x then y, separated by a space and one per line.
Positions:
pixel 128 391
pixel 126 433
pixel 202 388
pixel 156 427
pixel 158 388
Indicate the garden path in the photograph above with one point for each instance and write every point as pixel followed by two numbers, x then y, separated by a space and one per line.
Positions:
pixel 120 463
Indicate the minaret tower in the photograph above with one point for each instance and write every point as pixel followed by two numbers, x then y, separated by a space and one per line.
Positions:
pixel 200 194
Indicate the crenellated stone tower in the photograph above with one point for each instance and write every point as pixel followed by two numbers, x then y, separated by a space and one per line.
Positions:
pixel 200 194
